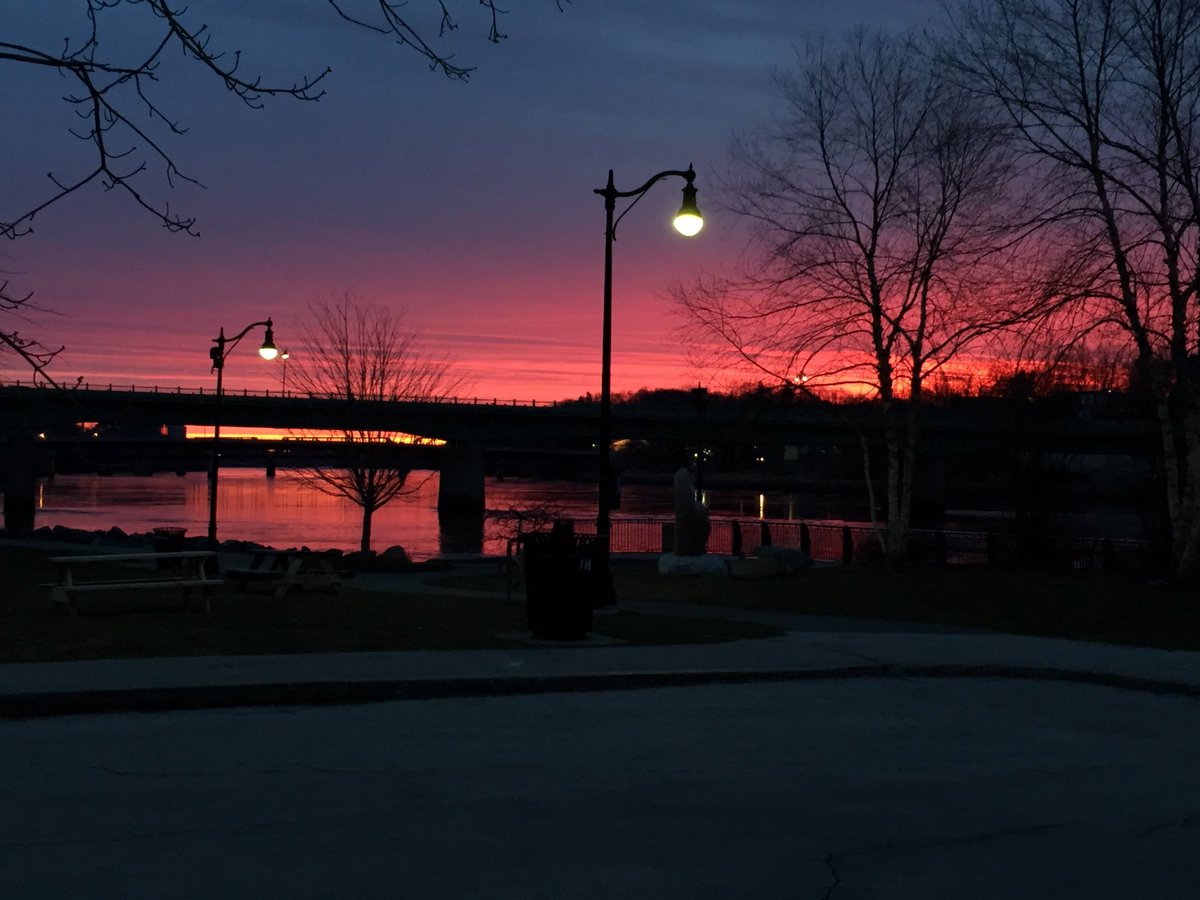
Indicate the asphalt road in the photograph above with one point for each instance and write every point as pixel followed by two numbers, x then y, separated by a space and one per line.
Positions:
pixel 840 789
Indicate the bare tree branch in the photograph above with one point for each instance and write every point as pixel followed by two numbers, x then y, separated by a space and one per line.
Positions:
pixel 881 223
pixel 1105 98
pixel 121 116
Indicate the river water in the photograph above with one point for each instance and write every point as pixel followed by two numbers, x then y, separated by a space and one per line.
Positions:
pixel 282 512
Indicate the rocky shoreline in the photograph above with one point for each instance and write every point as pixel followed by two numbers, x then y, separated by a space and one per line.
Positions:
pixel 393 559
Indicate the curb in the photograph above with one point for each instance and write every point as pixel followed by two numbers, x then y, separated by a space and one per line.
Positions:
pixel 332 693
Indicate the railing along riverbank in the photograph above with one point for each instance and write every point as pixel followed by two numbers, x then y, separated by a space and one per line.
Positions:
pixel 849 544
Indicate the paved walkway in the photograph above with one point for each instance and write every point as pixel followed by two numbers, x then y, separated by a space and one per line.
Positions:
pixel 813 647
pixel 843 760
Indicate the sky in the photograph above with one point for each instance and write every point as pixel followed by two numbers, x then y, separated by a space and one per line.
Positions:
pixel 470 206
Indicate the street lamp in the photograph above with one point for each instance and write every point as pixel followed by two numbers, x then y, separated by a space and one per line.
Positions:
pixel 284 356
pixel 217 353
pixel 688 222
pixel 699 400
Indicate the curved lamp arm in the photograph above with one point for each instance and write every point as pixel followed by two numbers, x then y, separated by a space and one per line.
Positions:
pixel 610 194
pixel 219 352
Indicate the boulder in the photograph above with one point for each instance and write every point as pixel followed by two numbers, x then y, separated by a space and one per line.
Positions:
pixel 787 558
pixel 755 567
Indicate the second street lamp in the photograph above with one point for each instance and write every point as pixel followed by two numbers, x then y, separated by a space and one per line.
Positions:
pixel 688 222
pixel 217 353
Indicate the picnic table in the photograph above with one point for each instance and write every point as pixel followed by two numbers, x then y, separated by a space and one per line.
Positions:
pixel 283 572
pixel 185 570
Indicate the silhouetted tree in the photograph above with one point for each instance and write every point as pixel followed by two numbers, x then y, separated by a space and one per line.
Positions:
pixel 35 354
pixel 359 352
pixel 1104 98
pixel 111 53
pixel 876 202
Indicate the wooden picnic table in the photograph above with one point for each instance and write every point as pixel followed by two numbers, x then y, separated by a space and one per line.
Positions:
pixel 284 572
pixel 185 570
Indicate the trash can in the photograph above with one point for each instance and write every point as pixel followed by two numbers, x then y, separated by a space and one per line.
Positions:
pixel 559 585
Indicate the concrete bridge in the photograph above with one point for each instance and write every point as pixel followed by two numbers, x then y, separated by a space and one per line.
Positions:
pixel 470 427
pixel 497 423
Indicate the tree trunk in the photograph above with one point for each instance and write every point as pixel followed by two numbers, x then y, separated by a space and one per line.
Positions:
pixel 897 524
pixel 872 503
pixel 1181 466
pixel 365 544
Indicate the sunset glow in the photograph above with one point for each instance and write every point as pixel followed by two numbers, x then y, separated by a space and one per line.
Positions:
pixel 342 195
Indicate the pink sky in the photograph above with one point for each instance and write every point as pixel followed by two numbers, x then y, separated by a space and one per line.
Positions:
pixel 471 205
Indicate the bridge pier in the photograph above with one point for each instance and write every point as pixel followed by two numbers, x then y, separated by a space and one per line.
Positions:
pixel 20 483
pixel 460 487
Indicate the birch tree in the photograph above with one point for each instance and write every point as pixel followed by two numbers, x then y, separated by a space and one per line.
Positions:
pixel 1104 98
pixel 873 203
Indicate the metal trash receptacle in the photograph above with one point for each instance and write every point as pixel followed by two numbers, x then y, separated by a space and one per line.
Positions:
pixel 559 585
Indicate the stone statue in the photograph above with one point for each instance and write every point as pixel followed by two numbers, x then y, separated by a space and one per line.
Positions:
pixel 691 518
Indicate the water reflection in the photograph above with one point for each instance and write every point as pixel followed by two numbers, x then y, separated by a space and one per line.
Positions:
pixel 281 512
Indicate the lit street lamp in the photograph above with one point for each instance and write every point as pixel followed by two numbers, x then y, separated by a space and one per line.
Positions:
pixel 688 222
pixel 218 352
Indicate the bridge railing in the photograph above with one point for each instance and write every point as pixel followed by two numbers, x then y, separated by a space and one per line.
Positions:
pixel 851 543
pixel 283 393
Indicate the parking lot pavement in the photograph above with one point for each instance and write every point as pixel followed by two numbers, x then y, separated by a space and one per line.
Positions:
pixel 839 788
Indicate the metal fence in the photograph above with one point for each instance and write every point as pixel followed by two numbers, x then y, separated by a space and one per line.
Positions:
pixel 848 544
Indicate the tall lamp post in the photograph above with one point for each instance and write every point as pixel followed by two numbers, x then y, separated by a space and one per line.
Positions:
pixel 688 222
pixel 220 349
pixel 284 357
pixel 699 400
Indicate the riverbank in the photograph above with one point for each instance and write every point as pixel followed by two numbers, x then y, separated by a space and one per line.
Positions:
pixel 472 605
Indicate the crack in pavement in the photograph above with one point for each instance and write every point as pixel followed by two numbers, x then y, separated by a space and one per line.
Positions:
pixel 831 859
pixel 1189 821
pixel 830 863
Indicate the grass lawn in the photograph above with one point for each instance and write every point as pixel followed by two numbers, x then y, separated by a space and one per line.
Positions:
pixel 1085 605
pixel 149 623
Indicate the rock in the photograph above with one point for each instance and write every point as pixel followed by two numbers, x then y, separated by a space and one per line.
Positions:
pixel 708 564
pixel 755 567
pixel 788 559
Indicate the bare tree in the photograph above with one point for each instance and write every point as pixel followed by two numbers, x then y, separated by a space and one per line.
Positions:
pixel 874 204
pixel 358 351
pixel 115 93
pixel 1104 96
pixel 35 354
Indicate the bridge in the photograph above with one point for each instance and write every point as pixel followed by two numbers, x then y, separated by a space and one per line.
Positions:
pixel 493 423
pixel 471 427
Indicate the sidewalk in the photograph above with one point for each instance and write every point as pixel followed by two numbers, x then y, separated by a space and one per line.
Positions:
pixel 813 647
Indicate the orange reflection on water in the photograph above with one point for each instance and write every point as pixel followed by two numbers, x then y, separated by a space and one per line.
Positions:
pixel 205 432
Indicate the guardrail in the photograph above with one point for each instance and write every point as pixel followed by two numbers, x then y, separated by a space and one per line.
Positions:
pixel 848 544
pixel 283 394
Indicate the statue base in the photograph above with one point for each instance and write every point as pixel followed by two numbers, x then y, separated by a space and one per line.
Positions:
pixel 708 564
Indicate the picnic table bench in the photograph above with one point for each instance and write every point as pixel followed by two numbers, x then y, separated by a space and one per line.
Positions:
pixel 284 572
pixel 184 570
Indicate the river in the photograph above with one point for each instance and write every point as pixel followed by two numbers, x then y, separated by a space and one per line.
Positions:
pixel 282 512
